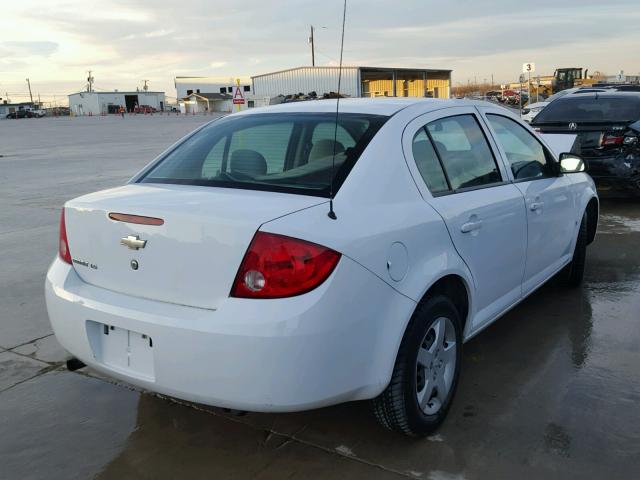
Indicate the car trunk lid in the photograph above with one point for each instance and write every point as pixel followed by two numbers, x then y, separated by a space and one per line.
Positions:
pixel 593 140
pixel 191 258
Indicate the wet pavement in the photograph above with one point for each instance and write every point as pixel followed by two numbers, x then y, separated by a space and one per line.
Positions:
pixel 551 390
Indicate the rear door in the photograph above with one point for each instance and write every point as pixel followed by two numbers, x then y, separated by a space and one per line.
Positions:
pixel 451 159
pixel 550 205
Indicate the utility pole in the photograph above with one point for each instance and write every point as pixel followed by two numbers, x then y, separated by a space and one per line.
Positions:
pixel 89 82
pixel 313 46
pixel 313 53
pixel 30 95
pixel 145 87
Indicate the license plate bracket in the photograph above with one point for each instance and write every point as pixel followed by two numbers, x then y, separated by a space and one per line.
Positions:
pixel 122 350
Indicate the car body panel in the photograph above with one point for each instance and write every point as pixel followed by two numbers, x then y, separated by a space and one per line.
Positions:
pixel 253 355
pixel 501 240
pixel 552 225
pixel 191 259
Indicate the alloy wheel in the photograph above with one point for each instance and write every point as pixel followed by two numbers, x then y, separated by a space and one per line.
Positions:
pixel 436 365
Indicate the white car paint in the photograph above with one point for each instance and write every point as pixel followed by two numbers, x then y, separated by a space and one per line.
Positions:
pixel 339 341
pixel 559 142
pixel 532 110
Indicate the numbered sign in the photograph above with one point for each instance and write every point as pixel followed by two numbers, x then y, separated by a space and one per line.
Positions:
pixel 528 67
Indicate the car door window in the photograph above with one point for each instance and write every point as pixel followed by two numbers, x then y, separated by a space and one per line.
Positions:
pixel 526 155
pixel 464 152
pixel 428 164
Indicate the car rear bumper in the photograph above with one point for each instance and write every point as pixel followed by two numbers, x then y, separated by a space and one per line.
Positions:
pixel 615 176
pixel 334 344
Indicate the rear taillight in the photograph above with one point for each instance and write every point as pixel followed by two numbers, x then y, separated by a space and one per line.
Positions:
pixel 63 243
pixel 277 266
pixel 611 140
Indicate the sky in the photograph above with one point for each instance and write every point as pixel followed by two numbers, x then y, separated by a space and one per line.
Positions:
pixel 55 42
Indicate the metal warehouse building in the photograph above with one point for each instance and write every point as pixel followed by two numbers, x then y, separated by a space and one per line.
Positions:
pixel 356 82
pixel 96 103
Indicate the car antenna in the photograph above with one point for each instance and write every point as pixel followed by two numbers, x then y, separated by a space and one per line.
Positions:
pixel 332 213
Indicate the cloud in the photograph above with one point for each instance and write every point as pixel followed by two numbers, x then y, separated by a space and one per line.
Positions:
pixel 27 49
pixel 125 41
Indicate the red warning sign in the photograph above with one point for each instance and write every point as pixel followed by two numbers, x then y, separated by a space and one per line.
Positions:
pixel 238 98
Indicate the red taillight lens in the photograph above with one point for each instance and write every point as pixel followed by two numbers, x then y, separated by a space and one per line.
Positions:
pixel 611 141
pixel 277 266
pixel 63 244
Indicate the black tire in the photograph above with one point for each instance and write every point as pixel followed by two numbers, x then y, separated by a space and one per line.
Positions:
pixel 397 408
pixel 574 272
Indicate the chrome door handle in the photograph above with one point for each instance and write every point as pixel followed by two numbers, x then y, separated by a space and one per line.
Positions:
pixel 470 227
pixel 536 206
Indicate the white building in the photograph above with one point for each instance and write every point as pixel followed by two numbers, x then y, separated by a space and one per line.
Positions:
pixel 206 102
pixel 96 103
pixel 355 82
pixel 193 93
pixel 185 86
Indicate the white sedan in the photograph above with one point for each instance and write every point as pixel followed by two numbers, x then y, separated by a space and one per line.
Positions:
pixel 223 274
pixel 529 112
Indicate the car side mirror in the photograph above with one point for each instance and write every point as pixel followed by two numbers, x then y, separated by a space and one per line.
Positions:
pixel 572 163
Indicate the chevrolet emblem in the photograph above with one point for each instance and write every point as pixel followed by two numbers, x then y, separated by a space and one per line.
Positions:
pixel 133 242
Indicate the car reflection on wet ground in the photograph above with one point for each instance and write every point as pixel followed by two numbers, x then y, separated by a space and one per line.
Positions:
pixel 549 391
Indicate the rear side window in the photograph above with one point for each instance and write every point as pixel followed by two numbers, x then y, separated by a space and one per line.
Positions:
pixel 428 164
pixel 326 130
pixel 270 140
pixel 527 157
pixel 577 108
pixel 288 152
pixel 463 152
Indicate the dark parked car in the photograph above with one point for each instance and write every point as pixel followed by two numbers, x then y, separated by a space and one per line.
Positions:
pixel 20 114
pixel 608 136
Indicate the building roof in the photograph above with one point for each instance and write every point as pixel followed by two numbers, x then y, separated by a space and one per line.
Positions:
pixel 211 96
pixel 114 92
pixel 16 104
pixel 351 67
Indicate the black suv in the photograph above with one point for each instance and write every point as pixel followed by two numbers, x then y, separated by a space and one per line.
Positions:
pixel 607 126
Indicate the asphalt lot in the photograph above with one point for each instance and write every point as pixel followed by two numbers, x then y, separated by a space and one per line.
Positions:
pixel 549 391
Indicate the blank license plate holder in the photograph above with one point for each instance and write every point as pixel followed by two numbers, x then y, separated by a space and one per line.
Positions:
pixel 122 350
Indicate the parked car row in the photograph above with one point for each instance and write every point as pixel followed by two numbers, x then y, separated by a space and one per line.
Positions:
pixel 24 113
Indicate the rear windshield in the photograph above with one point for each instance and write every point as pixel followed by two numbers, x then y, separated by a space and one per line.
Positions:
pixel 288 152
pixel 592 109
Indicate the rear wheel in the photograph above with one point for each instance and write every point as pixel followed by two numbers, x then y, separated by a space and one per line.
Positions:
pixel 425 375
pixel 574 272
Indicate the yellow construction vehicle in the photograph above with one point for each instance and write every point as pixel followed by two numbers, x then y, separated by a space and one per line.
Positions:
pixel 562 79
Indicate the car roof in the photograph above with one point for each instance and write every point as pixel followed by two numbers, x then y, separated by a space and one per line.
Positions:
pixel 377 106
pixel 601 94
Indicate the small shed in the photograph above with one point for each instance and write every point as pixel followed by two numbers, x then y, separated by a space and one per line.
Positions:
pixel 207 102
